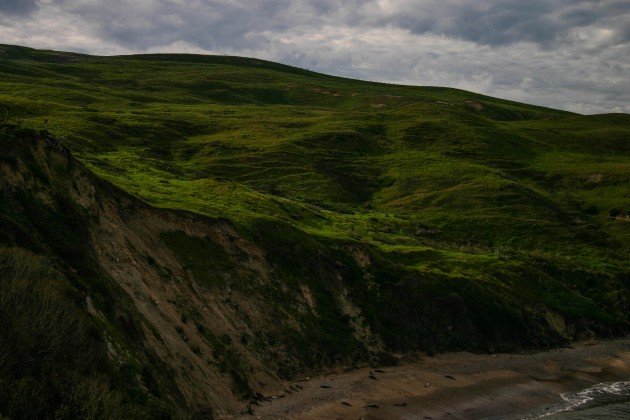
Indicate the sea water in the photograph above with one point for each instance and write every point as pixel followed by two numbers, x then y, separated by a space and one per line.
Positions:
pixel 610 400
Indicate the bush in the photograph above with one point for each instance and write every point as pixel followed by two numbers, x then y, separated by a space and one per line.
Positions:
pixel 592 210
pixel 51 356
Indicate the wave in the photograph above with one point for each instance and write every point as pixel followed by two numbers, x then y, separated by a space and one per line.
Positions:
pixel 597 395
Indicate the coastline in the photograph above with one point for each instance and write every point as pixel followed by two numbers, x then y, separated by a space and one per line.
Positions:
pixel 452 386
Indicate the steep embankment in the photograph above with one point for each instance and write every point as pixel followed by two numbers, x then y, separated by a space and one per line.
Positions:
pixel 190 313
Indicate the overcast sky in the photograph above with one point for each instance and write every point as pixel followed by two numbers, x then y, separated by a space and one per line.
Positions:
pixel 568 54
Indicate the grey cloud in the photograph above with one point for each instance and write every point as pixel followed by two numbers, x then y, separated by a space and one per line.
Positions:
pixel 235 24
pixel 17 7
pixel 208 24
pixel 503 22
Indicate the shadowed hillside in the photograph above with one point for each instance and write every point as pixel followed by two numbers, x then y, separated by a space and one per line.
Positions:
pixel 229 222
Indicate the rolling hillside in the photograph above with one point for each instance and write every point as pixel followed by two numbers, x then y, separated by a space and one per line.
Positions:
pixel 228 220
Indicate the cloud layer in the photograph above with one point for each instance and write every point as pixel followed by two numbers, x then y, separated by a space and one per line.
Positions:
pixel 569 54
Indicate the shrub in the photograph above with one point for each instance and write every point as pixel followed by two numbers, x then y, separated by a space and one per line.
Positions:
pixel 51 355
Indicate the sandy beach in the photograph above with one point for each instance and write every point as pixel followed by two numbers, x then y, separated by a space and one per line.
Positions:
pixel 450 386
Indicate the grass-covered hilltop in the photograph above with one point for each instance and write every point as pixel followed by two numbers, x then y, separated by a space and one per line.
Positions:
pixel 177 231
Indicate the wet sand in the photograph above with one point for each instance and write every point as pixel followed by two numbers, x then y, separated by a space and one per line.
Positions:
pixel 450 386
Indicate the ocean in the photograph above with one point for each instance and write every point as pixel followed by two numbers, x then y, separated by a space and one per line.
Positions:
pixel 609 400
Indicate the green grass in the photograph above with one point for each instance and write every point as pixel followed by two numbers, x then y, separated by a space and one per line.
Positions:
pixel 439 180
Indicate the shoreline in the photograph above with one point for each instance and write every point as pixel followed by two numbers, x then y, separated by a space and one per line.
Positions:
pixel 452 385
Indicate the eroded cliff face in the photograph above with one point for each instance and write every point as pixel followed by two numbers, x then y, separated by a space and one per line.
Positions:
pixel 204 295
pixel 200 312
pixel 190 295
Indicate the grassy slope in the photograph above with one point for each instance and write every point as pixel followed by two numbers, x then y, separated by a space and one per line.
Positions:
pixel 438 181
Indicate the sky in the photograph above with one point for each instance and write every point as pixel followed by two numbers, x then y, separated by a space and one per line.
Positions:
pixel 567 54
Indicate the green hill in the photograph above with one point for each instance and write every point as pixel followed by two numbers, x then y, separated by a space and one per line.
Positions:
pixel 367 218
